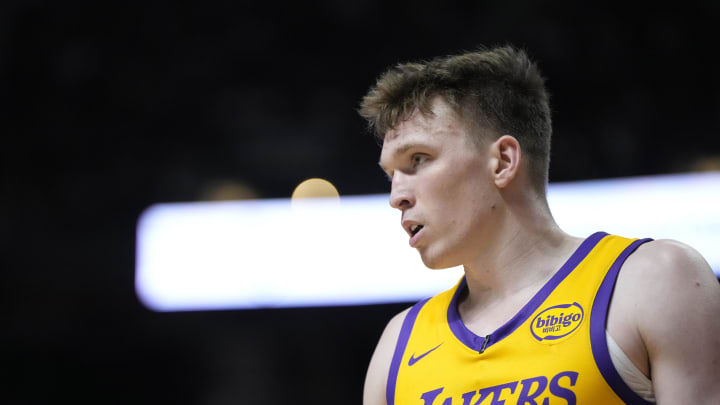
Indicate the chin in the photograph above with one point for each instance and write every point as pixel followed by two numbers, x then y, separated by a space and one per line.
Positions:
pixel 437 262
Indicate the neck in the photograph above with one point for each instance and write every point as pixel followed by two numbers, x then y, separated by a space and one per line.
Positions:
pixel 527 250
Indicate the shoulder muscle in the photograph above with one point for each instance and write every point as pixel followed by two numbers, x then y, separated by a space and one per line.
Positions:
pixel 677 303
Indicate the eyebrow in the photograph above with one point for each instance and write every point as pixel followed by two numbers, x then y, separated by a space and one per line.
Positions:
pixel 401 150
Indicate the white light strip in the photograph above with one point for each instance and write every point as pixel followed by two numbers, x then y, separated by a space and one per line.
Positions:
pixel 274 253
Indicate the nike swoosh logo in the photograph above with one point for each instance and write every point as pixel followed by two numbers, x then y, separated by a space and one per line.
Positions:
pixel 414 359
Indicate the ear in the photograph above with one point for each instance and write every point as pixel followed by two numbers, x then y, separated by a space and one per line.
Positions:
pixel 506 155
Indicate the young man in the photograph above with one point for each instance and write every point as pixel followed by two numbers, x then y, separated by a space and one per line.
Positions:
pixel 540 317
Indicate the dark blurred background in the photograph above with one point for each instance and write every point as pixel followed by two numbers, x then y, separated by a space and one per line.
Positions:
pixel 110 107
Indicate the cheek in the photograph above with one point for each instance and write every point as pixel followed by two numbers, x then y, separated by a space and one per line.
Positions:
pixel 471 204
pixel 456 191
pixel 453 181
pixel 467 190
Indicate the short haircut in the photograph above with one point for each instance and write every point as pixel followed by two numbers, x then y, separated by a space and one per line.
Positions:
pixel 497 88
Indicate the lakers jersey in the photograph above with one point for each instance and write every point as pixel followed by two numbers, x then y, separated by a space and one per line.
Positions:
pixel 553 351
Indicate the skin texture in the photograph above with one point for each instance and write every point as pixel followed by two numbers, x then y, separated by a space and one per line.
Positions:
pixel 664 315
pixel 478 210
pixel 425 188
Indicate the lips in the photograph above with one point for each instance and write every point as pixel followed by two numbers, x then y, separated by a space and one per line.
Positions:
pixel 414 230
pixel 415 237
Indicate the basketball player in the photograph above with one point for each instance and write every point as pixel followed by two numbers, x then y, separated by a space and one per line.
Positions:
pixel 540 316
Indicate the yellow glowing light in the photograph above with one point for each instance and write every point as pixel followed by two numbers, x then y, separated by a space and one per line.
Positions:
pixel 315 188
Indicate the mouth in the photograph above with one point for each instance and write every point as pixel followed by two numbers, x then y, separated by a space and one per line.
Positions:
pixel 416 233
pixel 415 229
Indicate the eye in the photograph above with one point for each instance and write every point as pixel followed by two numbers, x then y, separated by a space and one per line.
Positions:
pixel 418 159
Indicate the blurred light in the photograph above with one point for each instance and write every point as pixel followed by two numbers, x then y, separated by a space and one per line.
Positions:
pixel 314 188
pixel 266 253
pixel 705 164
pixel 227 190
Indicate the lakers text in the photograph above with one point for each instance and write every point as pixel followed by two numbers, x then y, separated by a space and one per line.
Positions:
pixel 530 391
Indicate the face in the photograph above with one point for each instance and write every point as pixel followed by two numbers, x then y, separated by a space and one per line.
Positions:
pixel 442 184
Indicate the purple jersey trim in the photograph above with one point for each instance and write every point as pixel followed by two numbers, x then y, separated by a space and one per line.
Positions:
pixel 477 343
pixel 598 325
pixel 400 350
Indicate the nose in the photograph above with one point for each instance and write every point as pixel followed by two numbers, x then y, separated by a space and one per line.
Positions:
pixel 401 194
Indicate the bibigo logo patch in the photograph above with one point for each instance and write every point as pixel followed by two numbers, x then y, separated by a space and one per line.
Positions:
pixel 557 322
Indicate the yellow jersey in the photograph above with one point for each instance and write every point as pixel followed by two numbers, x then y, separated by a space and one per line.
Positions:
pixel 553 351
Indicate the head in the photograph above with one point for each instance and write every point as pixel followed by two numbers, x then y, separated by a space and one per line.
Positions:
pixel 456 132
pixel 494 92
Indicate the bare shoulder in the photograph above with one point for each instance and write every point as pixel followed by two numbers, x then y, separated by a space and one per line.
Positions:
pixel 669 258
pixel 377 374
pixel 674 297
pixel 666 279
pixel 661 272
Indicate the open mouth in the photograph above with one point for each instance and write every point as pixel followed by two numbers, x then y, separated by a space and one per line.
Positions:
pixel 415 229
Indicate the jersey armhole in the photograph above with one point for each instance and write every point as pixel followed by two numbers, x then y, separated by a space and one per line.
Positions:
pixel 400 346
pixel 598 322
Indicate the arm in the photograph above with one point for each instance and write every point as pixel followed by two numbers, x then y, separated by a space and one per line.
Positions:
pixel 676 314
pixel 377 374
